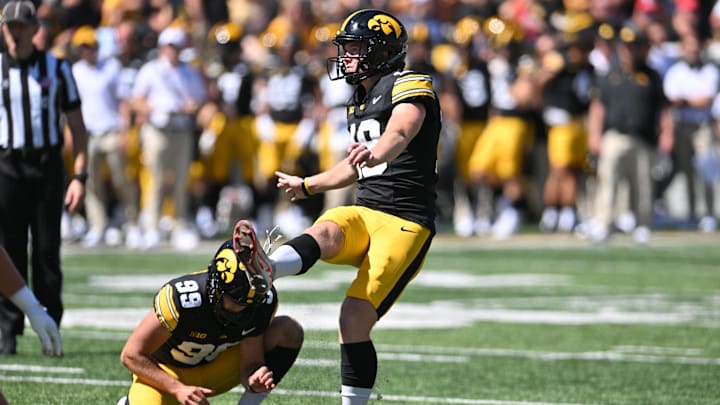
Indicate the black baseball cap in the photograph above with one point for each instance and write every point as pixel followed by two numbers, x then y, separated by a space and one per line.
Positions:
pixel 19 11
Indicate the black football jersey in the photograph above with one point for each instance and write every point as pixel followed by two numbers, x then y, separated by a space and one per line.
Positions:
pixel 570 89
pixel 473 89
pixel 405 186
pixel 182 306
pixel 289 91
pixel 633 100
pixel 236 88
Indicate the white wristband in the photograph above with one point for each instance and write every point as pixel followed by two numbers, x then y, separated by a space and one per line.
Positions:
pixel 26 301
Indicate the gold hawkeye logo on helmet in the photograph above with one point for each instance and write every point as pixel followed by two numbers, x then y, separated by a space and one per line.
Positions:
pixel 226 264
pixel 386 24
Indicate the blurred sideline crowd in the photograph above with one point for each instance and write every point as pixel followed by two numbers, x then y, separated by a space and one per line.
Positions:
pixel 191 106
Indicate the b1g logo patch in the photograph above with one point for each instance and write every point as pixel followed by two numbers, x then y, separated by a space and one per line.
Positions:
pixel 386 24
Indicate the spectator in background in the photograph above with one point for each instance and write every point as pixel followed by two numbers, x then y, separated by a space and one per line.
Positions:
pixel 566 77
pixel 32 176
pixel 293 18
pixel 499 156
pixel 167 93
pixel 663 53
pixel 709 165
pixel 472 87
pixel 286 129
pixel 684 18
pixel 712 45
pixel 691 85
pixel 603 53
pixel 526 15
pixel 107 141
pixel 629 119
pixel 76 13
pixel 228 123
pixel 128 50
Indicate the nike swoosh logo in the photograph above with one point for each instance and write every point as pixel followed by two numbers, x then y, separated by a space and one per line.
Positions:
pixel 246 331
pixel 402 228
pixel 376 99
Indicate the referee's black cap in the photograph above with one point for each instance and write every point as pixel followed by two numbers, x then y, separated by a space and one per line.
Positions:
pixel 19 11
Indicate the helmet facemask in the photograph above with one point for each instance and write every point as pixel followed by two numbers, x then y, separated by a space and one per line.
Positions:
pixel 377 58
pixel 383 39
pixel 227 318
pixel 337 68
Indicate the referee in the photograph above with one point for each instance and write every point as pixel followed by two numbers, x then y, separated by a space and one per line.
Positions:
pixel 38 91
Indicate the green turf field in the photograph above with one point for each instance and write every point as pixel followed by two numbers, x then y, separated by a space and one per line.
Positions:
pixel 536 320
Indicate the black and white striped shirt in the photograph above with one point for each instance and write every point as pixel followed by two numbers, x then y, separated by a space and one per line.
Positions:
pixel 35 93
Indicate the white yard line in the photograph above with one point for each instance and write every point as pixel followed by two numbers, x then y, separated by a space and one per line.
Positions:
pixel 331 280
pixel 685 351
pixel 406 357
pixel 405 398
pixel 317 362
pixel 41 369
pixel 633 309
pixel 302 393
pixel 61 380
pixel 323 316
pixel 612 355
pixel 439 354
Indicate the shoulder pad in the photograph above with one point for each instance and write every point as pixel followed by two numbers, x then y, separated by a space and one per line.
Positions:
pixel 165 308
pixel 410 85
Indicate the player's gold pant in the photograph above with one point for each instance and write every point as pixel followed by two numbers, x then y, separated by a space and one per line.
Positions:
pixel 470 132
pixel 280 152
pixel 328 155
pixel 221 375
pixel 500 151
pixel 567 144
pixel 137 172
pixel 385 266
pixel 236 142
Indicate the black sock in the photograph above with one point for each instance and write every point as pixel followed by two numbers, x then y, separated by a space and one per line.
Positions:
pixel 279 360
pixel 520 204
pixel 358 364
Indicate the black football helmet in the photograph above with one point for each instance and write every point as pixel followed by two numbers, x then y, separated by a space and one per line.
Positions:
pixel 227 276
pixel 225 38
pixel 385 40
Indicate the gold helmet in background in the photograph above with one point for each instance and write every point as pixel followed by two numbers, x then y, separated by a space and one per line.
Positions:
pixel 501 33
pixel 465 29
pixel 225 33
pixel 323 33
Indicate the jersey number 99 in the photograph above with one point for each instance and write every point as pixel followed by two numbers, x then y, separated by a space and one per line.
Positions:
pixel 189 295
